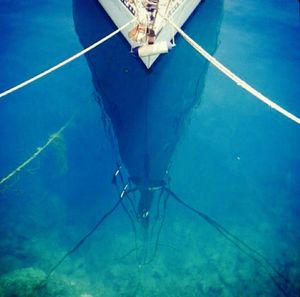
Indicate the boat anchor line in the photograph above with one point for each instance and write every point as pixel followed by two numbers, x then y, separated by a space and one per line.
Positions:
pixel 38 151
pixel 232 76
pixel 194 44
pixel 85 237
pixel 65 62
pixel 282 283
pixel 135 217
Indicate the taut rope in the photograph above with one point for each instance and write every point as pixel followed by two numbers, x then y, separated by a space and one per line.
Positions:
pixel 232 76
pixel 63 63
pixel 38 151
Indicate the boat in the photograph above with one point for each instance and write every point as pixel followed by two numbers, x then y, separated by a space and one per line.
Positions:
pixel 147 108
pixel 151 34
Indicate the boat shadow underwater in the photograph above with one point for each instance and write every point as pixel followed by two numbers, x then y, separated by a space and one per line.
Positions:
pixel 148 111
pixel 147 108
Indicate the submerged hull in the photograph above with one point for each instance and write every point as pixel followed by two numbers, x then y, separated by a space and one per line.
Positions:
pixel 147 108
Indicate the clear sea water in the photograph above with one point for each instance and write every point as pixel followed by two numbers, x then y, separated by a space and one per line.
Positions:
pixel 237 160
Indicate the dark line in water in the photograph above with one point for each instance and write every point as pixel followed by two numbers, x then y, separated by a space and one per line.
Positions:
pixel 243 247
pixel 84 238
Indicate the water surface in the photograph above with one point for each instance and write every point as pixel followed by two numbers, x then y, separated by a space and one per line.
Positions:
pixel 237 160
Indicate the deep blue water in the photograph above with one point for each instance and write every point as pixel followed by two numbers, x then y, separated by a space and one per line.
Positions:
pixel 237 160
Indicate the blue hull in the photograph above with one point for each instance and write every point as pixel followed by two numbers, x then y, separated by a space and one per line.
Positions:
pixel 147 108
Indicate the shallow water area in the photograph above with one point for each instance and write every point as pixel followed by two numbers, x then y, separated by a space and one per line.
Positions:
pixel 236 160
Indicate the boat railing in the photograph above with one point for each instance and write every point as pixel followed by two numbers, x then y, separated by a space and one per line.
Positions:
pixel 129 6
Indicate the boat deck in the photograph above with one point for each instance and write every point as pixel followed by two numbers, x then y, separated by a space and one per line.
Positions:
pixel 164 5
pixel 150 14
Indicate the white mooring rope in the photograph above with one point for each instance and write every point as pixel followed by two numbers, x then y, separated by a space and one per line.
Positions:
pixel 63 63
pixel 232 76
pixel 38 151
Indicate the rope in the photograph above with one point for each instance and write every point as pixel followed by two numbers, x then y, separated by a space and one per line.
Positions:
pixel 44 282
pixel 84 238
pixel 63 63
pixel 167 8
pixel 38 151
pixel 256 256
pixel 232 76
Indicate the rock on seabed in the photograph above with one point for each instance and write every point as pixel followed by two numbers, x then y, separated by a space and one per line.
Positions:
pixel 27 283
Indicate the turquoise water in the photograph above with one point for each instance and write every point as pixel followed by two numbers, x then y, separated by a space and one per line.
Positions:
pixel 235 159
